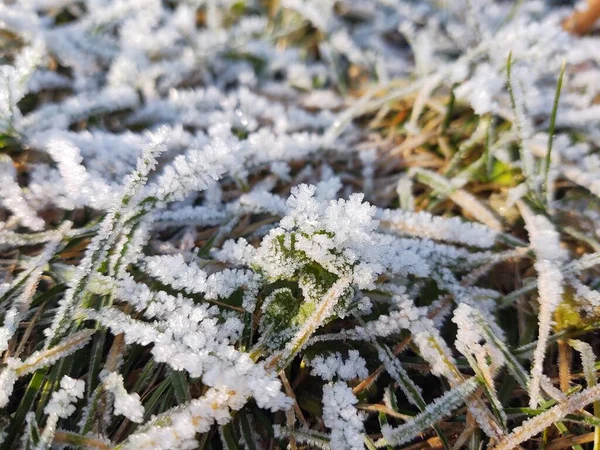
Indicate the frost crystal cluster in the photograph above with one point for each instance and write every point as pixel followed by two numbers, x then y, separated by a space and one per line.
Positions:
pixel 299 224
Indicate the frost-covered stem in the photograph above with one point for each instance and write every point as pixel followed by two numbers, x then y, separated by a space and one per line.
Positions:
pixel 588 360
pixel 427 225
pixel 516 100
pixel 408 387
pixel 539 423
pixel 99 247
pixel 322 312
pixel 27 282
pixel 180 425
pixel 304 436
pixel 433 413
pixel 546 244
pixel 49 356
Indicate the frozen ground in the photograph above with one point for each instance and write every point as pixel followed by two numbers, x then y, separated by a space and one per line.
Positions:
pixel 298 224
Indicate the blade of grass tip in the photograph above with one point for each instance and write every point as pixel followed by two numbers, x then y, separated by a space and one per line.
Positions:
pixel 588 362
pixel 553 123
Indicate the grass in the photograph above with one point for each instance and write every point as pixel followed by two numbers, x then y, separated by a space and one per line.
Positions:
pixel 450 168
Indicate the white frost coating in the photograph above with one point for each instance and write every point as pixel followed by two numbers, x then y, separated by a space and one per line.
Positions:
pixel 537 424
pixel 82 188
pixel 173 270
pixel 8 377
pixel 125 404
pixel 183 423
pixel 342 417
pixel 588 360
pixel 424 224
pixel 334 365
pixel 435 411
pixel 339 235
pixel 11 196
pixel 61 402
pixel 471 338
pixel 196 170
pixel 549 258
pixel 189 337
pixel 8 328
pixel 60 406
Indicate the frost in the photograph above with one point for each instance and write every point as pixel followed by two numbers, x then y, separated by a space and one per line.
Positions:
pixel 342 417
pixel 549 257
pixel 125 404
pixel 334 365
pixel 12 197
pixel 61 403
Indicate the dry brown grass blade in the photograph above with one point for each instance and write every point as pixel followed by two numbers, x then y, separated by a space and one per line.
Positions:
pixel 290 393
pixel 376 407
pixel 582 22
pixel 564 358
pixel 570 441
pixel 434 443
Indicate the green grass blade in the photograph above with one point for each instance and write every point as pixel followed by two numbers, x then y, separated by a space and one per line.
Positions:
pixel 552 126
